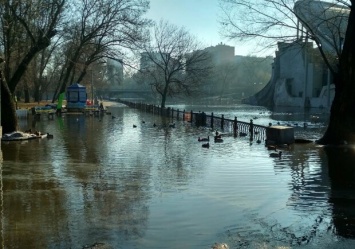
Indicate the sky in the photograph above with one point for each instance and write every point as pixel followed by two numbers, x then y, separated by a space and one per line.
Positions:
pixel 199 17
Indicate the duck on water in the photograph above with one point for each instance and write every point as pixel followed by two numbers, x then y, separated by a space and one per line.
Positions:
pixel 276 154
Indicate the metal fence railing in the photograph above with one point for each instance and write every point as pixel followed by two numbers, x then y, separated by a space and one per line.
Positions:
pixel 238 128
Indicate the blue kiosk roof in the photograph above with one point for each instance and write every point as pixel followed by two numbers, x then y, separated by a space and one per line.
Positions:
pixel 75 86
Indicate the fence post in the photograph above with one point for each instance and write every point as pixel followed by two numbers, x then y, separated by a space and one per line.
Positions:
pixel 177 114
pixel 212 120
pixel 251 128
pixel 183 115
pixel 192 113
pixel 222 123
pixel 235 126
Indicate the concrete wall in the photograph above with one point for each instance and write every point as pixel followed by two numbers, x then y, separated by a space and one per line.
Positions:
pixel 296 84
pixel 292 66
pixel 282 97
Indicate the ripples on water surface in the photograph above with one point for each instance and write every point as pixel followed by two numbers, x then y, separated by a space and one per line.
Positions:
pixel 102 181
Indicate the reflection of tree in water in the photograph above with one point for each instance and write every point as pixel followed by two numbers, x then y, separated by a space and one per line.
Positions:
pixel 81 136
pixel 333 184
pixel 174 168
pixel 113 202
pixel 341 166
pixel 309 187
pixel 39 212
pixel 266 233
pixel 33 209
pixel 116 205
pixel 308 184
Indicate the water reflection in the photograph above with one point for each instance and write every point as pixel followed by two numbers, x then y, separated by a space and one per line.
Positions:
pixel 341 170
pixel 102 181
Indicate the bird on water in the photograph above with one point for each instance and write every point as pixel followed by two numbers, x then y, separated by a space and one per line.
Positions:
pixel 206 145
pixel 276 154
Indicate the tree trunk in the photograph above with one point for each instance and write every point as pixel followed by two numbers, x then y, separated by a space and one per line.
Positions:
pixel 37 93
pixel 163 99
pixel 8 109
pixel 164 94
pixel 341 127
pixel 21 69
pixel 26 92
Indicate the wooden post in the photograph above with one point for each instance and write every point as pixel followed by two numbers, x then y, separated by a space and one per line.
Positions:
pixel 177 114
pixel 235 127
pixel 212 120
pixel 183 115
pixel 192 113
pixel 251 128
pixel 222 123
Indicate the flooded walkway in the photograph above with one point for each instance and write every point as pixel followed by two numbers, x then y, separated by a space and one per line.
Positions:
pixel 102 181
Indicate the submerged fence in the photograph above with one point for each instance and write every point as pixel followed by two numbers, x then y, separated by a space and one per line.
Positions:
pixel 234 126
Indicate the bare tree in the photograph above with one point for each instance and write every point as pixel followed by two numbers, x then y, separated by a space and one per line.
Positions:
pixel 173 63
pixel 100 29
pixel 268 22
pixel 27 28
pixel 38 75
pixel 261 21
pixel 224 77
pixel 331 25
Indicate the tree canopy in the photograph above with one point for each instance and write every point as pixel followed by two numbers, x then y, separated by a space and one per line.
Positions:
pixel 59 40
pixel 267 22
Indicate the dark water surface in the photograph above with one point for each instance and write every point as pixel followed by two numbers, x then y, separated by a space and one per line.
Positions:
pixel 99 180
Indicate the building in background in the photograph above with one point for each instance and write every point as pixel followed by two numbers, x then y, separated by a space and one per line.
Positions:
pixel 114 72
pixel 221 53
pixel 300 76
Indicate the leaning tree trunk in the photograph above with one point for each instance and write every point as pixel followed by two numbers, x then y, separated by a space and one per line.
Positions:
pixel 8 110
pixel 341 127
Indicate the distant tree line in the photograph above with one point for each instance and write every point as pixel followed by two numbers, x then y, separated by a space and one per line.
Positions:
pixel 48 45
pixel 53 43
pixel 237 79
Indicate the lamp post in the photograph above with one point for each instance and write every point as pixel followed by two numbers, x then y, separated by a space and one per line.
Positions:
pixel 92 88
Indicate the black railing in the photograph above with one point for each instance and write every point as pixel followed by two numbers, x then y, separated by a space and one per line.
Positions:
pixel 234 126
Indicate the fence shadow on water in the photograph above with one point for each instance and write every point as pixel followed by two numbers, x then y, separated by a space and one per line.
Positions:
pixel 233 126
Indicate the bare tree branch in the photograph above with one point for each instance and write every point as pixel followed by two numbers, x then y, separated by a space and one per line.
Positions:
pixel 173 63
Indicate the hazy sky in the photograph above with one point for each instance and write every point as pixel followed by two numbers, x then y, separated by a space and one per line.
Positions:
pixel 199 17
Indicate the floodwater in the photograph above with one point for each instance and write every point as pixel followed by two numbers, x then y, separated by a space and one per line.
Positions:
pixel 101 181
